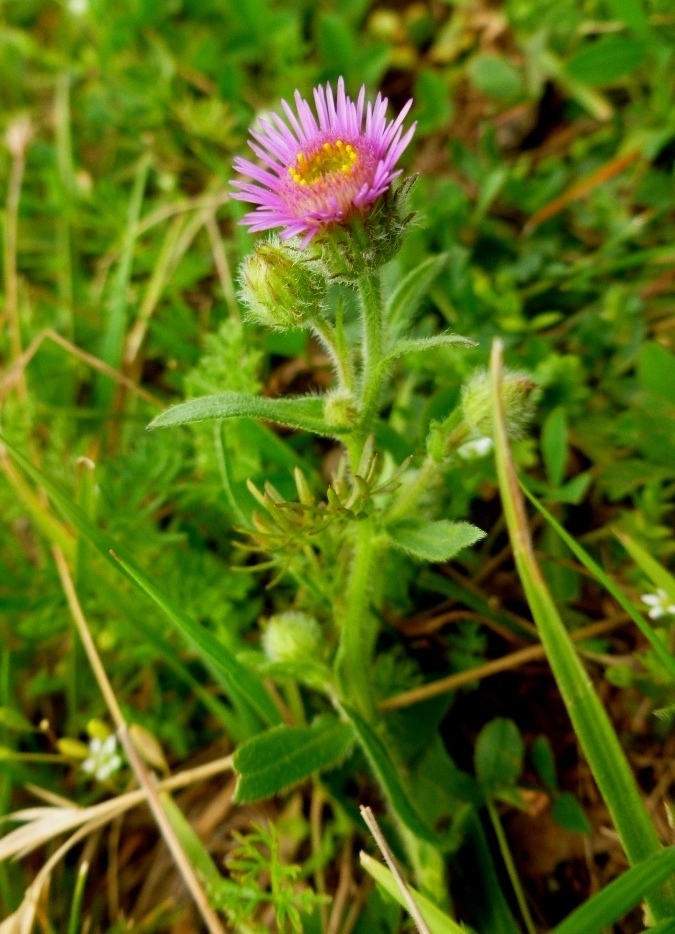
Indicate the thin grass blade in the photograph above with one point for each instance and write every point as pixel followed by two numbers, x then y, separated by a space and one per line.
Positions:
pixel 589 718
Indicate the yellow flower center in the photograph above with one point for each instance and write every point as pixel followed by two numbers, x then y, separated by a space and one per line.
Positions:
pixel 331 158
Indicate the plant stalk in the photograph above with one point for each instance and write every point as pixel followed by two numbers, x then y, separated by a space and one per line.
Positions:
pixel 356 638
pixel 370 291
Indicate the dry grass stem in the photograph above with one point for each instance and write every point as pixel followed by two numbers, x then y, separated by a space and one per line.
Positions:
pixel 16 373
pixel 222 265
pixel 146 782
pixel 507 662
pixel 342 892
pixel 18 137
pixel 374 828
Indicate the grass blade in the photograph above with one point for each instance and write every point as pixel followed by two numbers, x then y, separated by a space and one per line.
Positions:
pixel 113 338
pixel 589 718
pixel 242 683
pixel 660 649
pixel 621 895
pixel 649 566
pixel 384 770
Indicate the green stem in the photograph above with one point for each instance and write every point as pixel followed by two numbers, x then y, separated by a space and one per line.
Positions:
pixel 370 290
pixel 412 493
pixel 326 334
pixel 511 867
pixel 357 636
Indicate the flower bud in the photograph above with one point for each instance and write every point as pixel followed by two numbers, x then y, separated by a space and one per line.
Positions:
pixel 365 242
pixel 341 409
pixel 291 637
pixel 281 287
pixel 519 392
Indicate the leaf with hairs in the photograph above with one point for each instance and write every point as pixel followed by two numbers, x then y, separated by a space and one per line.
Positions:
pixel 285 755
pixel 402 305
pixel 304 412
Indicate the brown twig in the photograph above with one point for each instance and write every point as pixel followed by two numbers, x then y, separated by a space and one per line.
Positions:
pixel 344 885
pixel 18 137
pixel 16 372
pixel 507 662
pixel 147 785
pixel 374 827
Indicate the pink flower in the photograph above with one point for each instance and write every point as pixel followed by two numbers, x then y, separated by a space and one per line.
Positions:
pixel 318 173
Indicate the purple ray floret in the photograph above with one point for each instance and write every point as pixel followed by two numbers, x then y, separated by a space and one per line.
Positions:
pixel 317 170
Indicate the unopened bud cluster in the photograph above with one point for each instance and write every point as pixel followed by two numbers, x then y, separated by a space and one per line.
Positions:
pixel 519 393
pixel 281 287
pixel 292 637
pixel 471 421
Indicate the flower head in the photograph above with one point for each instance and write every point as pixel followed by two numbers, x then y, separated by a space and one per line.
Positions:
pixel 659 604
pixel 103 758
pixel 318 172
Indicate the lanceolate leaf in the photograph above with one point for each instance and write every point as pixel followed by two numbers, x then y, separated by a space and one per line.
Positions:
pixel 657 645
pixel 614 901
pixel 434 541
pixel 240 681
pixel 589 718
pixel 404 302
pixel 385 772
pixel 416 345
pixel 281 757
pixel 654 570
pixel 305 412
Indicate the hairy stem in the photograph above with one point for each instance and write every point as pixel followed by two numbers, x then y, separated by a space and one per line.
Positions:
pixel 326 334
pixel 415 490
pixel 370 291
pixel 356 637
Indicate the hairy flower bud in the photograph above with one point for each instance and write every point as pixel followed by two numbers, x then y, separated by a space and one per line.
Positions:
pixel 291 637
pixel 341 409
pixel 519 392
pixel 281 287
pixel 467 431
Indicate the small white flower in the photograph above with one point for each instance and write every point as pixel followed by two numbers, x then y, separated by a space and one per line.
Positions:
pixel 103 759
pixel 78 7
pixel 479 447
pixel 660 604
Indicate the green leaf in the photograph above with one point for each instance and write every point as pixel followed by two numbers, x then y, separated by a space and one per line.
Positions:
pixel 434 541
pixel 589 718
pixel 632 15
pixel 601 911
pixel 415 345
pixel 438 921
pixel 240 682
pixel 542 758
pixel 656 371
pixel 567 812
pixel 305 412
pixel 113 337
pixel 554 446
pixel 432 101
pixel 14 720
pixel 659 647
pixel 606 60
pixel 403 303
pixel 385 772
pixel 285 755
pixel 654 570
pixel 194 849
pixel 498 755
pixel 495 77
